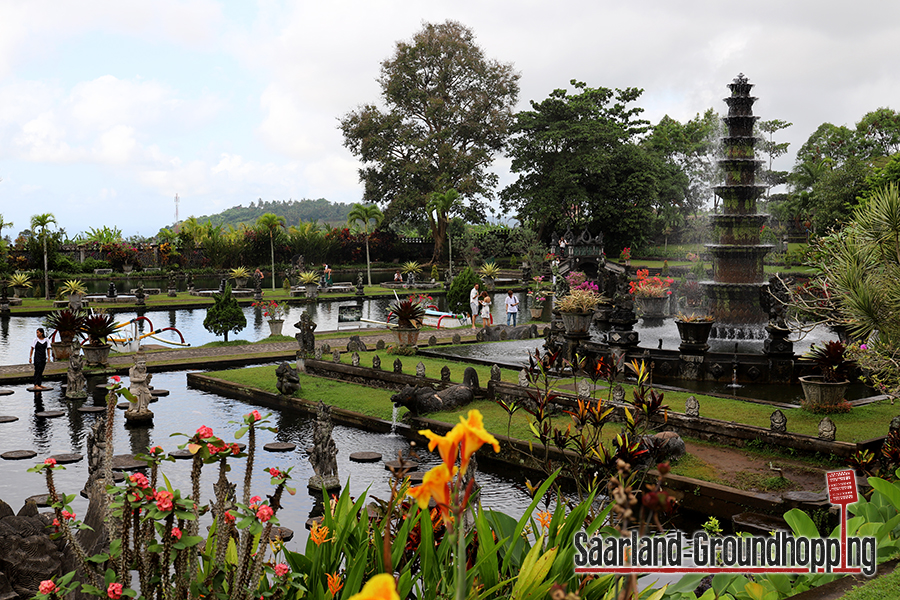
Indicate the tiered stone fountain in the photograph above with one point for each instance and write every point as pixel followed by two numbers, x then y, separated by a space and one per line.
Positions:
pixel 738 256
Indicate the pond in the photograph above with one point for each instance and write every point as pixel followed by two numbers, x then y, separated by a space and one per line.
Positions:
pixel 17 333
pixel 185 410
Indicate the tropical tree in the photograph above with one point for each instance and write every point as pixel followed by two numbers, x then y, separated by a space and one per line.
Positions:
pixel 271 223
pixel 448 112
pixel 42 222
pixel 364 214
pixel 224 315
pixel 439 208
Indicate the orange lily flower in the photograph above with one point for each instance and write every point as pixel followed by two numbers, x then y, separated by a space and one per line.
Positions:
pixel 334 583
pixel 473 436
pixel 435 484
pixel 447 445
pixel 380 587
pixel 318 533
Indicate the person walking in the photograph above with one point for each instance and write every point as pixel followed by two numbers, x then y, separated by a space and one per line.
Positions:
pixel 485 309
pixel 473 303
pixel 512 308
pixel 39 353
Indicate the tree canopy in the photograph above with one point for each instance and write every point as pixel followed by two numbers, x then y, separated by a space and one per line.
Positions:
pixel 447 112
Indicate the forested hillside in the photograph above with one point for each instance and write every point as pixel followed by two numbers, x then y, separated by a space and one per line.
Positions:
pixel 293 211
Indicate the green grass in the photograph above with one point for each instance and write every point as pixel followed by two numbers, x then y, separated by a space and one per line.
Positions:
pixel 695 467
pixel 879 588
pixel 433 366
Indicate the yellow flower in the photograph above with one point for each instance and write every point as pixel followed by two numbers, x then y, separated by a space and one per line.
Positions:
pixel 435 484
pixel 380 587
pixel 447 445
pixel 334 583
pixel 473 436
pixel 318 533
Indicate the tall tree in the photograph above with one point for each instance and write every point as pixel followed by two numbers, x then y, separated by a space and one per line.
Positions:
pixel 440 205
pixel 579 164
pixel 879 131
pixel 773 150
pixel 271 223
pixel 42 222
pixel 364 214
pixel 447 112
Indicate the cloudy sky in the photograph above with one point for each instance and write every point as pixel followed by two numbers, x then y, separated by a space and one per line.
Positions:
pixel 110 108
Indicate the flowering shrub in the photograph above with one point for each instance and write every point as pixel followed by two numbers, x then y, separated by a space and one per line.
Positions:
pixel 649 287
pixel 536 294
pixel 625 254
pixel 272 311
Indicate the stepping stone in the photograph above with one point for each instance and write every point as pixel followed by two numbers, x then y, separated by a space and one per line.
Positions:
pixel 159 393
pixel 416 477
pixel 8 419
pixel 181 454
pixel 365 457
pixel 33 389
pixel 394 465
pixel 66 459
pixel 309 522
pixel 18 454
pixel 50 414
pixel 7 392
pixel 282 533
pixel 91 409
pixel 123 405
pixel 39 499
pixel 279 447
pixel 127 462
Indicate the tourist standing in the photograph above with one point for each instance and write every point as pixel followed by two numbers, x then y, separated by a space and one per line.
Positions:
pixel 473 303
pixel 39 353
pixel 485 309
pixel 512 308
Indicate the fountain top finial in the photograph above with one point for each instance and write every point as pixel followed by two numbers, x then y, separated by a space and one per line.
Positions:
pixel 740 78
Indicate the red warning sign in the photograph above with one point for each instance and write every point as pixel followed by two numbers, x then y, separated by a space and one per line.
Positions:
pixel 842 487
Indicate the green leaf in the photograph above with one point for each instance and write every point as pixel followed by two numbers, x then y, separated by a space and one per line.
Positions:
pixel 800 523
pixel 890 491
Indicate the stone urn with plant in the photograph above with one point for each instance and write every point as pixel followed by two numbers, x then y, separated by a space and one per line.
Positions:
pixel 240 275
pixel 97 328
pixel 409 314
pixel 274 314
pixel 411 268
pixel 694 331
pixel 20 283
pixel 66 324
pixel 489 271
pixel 75 290
pixel 537 297
pixel 651 294
pixel 310 279
pixel 577 309
pixel 825 392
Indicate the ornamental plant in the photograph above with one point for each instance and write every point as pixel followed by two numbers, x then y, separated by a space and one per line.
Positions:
pixel 271 310
pixel 649 287
pixel 537 292
pixel 579 301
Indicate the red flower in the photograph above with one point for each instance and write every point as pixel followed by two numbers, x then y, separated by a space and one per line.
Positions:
pixel 140 480
pixel 274 472
pixel 68 516
pixel 282 569
pixel 156 450
pixel 176 533
pixel 114 591
pixel 235 449
pixel 255 500
pixel 229 517
pixel 50 461
pixel 115 379
pixel 205 432
pixel 256 416
pixel 264 513
pixel 47 587
pixel 163 500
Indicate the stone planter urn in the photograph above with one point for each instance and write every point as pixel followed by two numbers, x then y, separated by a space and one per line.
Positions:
pixel 536 313
pixel 694 335
pixel 653 308
pixel 577 323
pixel 96 356
pixel 312 290
pixel 19 291
pixel 240 282
pixel 488 283
pixel 819 392
pixel 61 350
pixel 275 327
pixel 127 268
pixel 407 336
pixel 76 301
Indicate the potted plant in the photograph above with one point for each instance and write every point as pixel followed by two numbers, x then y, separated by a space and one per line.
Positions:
pixel 577 309
pixel 97 328
pixel 651 294
pixel 827 390
pixel 411 268
pixel 20 282
pixel 75 290
pixel 274 314
pixel 537 297
pixel 410 313
pixel 68 324
pixel 240 276
pixel 488 272
pixel 694 331
pixel 311 280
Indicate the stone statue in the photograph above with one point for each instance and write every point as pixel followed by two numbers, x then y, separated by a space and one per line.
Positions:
pixel 190 282
pixel 139 387
pixel 778 422
pixel 691 407
pixel 307 336
pixel 323 456
pixel 139 293
pixel 173 286
pixel 423 400
pixel 288 380
pixel 75 385
pixel 827 430
pixel 111 290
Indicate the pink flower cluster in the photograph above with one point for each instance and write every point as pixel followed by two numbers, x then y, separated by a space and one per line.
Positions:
pixel 264 513
pixel 282 569
pixel 205 432
pixel 140 480
pixel 114 591
pixel 163 500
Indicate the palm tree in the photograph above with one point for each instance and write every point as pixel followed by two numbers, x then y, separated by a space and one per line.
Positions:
pixel 441 205
pixel 271 222
pixel 3 225
pixel 42 222
pixel 364 214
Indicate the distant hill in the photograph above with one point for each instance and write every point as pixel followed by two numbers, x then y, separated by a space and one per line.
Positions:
pixel 293 211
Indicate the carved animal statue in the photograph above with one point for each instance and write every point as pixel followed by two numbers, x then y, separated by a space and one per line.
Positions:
pixel 288 381
pixel 422 400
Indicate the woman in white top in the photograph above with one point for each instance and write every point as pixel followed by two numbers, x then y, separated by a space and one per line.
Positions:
pixel 485 309
pixel 39 353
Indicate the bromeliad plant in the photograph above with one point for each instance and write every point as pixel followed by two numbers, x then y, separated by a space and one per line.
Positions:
pixel 832 361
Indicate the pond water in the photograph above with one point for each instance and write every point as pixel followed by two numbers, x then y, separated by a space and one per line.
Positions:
pixel 16 333
pixel 186 409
